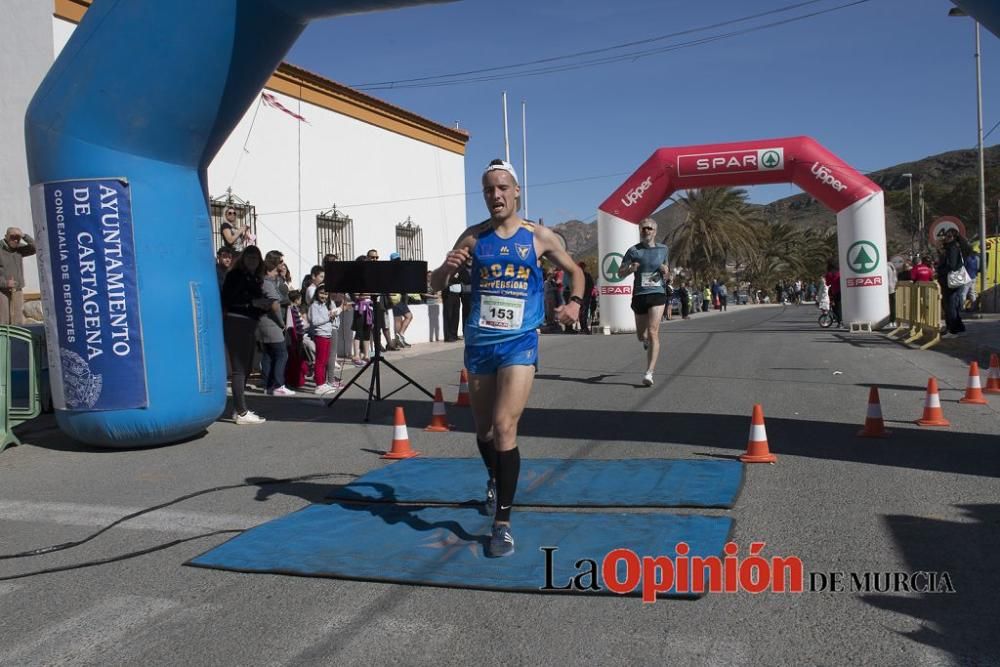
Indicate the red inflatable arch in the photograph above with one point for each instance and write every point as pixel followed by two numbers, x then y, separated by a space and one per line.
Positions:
pixel 856 200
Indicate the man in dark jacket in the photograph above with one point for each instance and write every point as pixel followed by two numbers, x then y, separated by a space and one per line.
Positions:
pixel 455 299
pixel 682 294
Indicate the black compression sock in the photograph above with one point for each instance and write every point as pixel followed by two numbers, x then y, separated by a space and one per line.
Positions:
pixel 489 454
pixel 508 469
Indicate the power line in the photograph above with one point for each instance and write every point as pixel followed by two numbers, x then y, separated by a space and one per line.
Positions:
pixel 504 73
pixel 991 130
pixel 590 52
pixel 345 207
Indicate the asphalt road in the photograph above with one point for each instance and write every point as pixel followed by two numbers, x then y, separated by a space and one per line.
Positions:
pixel 922 500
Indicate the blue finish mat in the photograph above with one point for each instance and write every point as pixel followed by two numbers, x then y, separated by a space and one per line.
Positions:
pixel 445 546
pixel 557 483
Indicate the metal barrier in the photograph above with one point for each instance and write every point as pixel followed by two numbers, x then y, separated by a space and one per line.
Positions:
pixel 11 415
pixel 918 312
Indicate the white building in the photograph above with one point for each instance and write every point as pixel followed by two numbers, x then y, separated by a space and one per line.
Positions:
pixel 397 179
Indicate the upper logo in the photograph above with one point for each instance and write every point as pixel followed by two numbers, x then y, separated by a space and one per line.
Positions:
pixel 522 250
pixel 610 265
pixel 863 257
pixel 636 193
pixel 823 174
pixel 504 251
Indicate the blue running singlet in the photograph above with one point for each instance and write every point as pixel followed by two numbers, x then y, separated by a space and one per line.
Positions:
pixel 507 293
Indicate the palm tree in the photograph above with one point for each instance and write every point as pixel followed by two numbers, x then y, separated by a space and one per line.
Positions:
pixel 787 252
pixel 719 227
pixel 774 256
pixel 818 246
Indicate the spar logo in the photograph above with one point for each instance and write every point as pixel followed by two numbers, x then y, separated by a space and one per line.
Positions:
pixel 870 281
pixel 771 159
pixel 731 162
pixel 863 257
pixel 636 193
pixel 609 271
pixel 825 176
pixel 609 267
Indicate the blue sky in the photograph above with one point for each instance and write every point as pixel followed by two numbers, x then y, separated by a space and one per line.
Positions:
pixel 878 83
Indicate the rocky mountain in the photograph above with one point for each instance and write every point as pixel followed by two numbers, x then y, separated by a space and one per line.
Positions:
pixel 939 172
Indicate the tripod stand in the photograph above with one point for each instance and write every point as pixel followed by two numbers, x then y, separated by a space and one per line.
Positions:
pixel 375 385
pixel 368 278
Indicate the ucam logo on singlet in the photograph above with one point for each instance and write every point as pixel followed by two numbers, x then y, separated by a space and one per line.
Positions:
pixel 731 162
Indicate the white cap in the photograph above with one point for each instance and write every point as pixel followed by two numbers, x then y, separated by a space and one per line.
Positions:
pixel 502 165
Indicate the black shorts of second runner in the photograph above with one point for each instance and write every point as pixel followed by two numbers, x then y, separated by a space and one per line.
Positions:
pixel 400 310
pixel 641 303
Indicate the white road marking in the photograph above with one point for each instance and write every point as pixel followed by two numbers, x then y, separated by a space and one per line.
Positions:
pixel 88 635
pixel 165 520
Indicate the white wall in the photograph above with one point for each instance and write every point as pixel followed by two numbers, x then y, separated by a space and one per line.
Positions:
pixel 25 56
pixel 377 177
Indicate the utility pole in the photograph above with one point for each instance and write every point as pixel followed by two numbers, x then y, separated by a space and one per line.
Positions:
pixel 982 176
pixel 923 241
pixel 911 220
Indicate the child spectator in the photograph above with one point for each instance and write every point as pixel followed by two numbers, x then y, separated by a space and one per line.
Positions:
pixel 325 325
pixel 295 330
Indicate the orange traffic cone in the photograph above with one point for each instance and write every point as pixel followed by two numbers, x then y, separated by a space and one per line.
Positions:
pixel 933 416
pixel 874 426
pixel 757 450
pixel 463 390
pixel 400 439
pixel 993 379
pixel 973 389
pixel 439 419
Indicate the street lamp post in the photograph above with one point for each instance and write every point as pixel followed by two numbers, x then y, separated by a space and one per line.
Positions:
pixel 955 11
pixel 912 232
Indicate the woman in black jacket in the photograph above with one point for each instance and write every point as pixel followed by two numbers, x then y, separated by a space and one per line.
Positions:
pixel 953 253
pixel 244 302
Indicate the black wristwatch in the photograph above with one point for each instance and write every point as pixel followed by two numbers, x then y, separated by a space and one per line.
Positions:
pixel 577 300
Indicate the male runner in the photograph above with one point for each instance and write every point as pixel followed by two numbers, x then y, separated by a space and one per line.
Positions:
pixel 648 261
pixel 501 341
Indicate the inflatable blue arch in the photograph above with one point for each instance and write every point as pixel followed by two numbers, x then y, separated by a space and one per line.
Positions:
pixel 119 136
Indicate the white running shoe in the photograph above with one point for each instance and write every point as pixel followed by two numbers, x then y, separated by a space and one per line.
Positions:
pixel 647 379
pixel 249 418
pixel 501 541
pixel 282 391
pixel 326 387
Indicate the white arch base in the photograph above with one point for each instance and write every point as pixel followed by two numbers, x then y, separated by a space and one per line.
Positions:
pixel 865 295
pixel 614 235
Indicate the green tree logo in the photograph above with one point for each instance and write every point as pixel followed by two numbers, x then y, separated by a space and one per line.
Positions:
pixel 609 267
pixel 770 159
pixel 863 257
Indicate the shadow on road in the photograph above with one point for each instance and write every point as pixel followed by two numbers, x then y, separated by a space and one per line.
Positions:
pixel 915 448
pixel 963 624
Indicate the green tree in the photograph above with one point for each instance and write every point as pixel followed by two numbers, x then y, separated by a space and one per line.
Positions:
pixel 787 252
pixel 719 227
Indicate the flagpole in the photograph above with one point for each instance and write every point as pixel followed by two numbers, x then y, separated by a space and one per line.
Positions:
pixel 298 125
pixel 506 139
pixel 524 155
